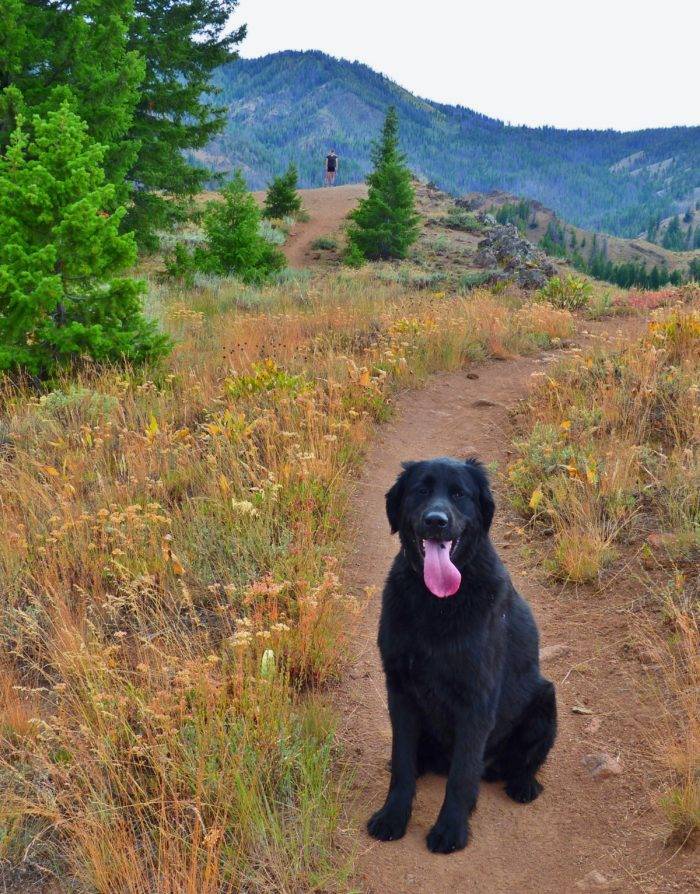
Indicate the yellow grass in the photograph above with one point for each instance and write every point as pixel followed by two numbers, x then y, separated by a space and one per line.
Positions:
pixel 609 461
pixel 170 598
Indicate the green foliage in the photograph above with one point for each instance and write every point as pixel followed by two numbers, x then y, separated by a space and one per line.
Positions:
pixel 59 247
pixel 457 219
pixel 138 72
pixel 353 256
pixel 694 270
pixel 324 243
pixel 674 238
pixel 181 264
pixel 553 241
pixel 76 51
pixel 567 293
pixel 474 278
pixel 272 234
pixel 517 213
pixel 181 43
pixel 385 224
pixel 266 375
pixel 282 199
pixel 235 243
pixel 598 265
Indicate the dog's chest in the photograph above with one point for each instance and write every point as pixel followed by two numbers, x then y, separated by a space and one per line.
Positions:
pixel 436 679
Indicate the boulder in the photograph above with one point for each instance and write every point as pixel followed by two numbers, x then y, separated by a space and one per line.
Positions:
pixel 504 246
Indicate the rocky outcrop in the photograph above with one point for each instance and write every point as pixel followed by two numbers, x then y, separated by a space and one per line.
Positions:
pixel 503 247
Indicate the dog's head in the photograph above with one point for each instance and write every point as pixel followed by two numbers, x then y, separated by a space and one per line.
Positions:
pixel 442 508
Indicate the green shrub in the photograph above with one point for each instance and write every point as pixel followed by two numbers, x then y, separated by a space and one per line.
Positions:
pixel 181 264
pixel 282 199
pixel 567 293
pixel 234 242
pixel 474 278
pixel 324 243
pixel 456 219
pixel 273 235
pixel 353 256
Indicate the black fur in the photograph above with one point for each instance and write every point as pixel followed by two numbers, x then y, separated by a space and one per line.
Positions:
pixel 464 688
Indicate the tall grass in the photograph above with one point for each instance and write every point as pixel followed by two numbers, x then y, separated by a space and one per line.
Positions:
pixel 171 607
pixel 608 464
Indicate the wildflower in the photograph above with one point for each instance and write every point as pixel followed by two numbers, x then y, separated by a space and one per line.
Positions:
pixel 244 507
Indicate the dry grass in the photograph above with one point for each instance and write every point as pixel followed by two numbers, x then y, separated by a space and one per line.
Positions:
pixel 170 601
pixel 608 465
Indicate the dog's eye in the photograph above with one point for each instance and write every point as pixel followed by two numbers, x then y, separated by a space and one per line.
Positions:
pixel 457 493
pixel 423 491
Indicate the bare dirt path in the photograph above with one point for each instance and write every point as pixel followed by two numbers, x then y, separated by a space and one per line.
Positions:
pixel 579 825
pixel 327 208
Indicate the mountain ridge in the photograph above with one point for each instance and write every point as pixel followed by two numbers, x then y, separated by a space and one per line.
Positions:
pixel 294 105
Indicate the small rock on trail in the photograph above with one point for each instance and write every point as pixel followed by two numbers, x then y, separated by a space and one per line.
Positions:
pixel 556 650
pixel 602 765
pixel 594 881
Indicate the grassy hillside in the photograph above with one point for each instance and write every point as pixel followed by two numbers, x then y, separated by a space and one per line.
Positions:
pixel 296 105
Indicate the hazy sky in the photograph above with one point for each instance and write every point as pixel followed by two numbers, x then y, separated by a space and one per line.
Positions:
pixel 626 64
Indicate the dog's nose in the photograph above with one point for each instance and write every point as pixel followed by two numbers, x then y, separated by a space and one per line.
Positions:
pixel 435 520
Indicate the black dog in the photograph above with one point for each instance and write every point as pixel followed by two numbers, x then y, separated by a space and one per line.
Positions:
pixel 460 652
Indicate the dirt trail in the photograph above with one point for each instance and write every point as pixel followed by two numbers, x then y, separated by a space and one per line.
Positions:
pixel 327 208
pixel 579 824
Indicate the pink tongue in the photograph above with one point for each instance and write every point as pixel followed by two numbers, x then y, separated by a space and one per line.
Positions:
pixel 440 575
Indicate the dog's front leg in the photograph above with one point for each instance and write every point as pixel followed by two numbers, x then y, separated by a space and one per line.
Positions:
pixel 451 831
pixel 390 822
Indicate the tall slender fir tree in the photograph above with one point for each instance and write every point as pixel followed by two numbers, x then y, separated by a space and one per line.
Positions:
pixel 385 224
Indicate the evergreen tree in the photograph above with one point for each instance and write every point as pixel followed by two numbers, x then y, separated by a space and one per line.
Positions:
pixel 673 238
pixel 182 42
pixel 282 198
pixel 385 224
pixel 74 50
pixel 235 244
pixel 59 249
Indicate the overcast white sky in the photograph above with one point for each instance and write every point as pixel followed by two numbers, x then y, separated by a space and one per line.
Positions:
pixel 625 64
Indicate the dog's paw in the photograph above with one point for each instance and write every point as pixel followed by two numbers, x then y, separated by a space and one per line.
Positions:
pixel 388 824
pixel 523 790
pixel 447 836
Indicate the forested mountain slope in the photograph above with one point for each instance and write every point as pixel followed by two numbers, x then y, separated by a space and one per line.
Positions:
pixel 297 105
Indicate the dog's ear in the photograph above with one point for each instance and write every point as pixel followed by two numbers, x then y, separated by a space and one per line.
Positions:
pixel 394 498
pixel 486 501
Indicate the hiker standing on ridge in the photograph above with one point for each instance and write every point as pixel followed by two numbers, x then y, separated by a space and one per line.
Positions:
pixel 331 167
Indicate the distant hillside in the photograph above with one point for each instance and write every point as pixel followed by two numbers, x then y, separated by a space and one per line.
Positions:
pixel 617 248
pixel 296 105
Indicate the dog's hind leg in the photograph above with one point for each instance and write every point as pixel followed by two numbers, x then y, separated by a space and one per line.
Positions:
pixel 525 750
